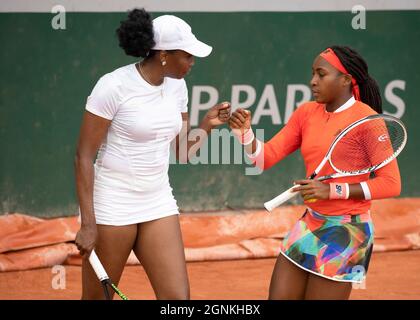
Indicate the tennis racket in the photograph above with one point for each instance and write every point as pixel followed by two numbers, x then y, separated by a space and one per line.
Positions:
pixel 103 277
pixel 362 147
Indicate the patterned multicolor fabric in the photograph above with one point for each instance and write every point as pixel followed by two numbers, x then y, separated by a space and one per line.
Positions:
pixel 335 247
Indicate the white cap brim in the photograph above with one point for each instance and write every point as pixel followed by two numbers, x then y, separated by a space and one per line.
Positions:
pixel 198 49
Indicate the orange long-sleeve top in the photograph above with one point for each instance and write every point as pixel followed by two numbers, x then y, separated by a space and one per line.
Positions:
pixel 312 129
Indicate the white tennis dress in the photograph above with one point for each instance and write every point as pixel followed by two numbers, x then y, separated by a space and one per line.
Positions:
pixel 131 183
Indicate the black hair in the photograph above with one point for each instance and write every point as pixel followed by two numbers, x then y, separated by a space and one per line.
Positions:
pixel 358 68
pixel 135 34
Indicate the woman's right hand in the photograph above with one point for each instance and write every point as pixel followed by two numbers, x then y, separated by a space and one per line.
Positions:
pixel 240 120
pixel 86 239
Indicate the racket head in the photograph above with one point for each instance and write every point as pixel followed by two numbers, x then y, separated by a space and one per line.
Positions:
pixel 367 145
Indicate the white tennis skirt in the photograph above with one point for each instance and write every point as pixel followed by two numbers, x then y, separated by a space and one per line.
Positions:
pixel 116 202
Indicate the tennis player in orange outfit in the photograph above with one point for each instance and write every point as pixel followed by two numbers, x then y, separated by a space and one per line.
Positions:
pixel 329 248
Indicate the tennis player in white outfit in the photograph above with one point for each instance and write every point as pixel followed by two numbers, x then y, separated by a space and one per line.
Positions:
pixel 132 116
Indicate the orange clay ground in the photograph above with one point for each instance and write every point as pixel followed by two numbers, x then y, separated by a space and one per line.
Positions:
pixel 230 255
pixel 392 275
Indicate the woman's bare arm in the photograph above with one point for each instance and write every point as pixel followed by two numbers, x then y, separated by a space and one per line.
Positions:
pixel 92 133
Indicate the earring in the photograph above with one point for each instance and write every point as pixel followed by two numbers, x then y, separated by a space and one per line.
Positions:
pixel 163 63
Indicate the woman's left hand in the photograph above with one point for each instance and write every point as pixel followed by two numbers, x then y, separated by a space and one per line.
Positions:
pixel 313 189
pixel 218 114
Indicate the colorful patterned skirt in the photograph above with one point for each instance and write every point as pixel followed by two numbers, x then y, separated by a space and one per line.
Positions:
pixel 334 247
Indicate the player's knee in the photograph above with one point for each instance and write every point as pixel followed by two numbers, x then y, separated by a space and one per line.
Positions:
pixel 178 294
pixel 93 291
pixel 94 296
pixel 284 296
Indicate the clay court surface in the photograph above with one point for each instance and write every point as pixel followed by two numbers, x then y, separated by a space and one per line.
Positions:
pixel 229 255
pixel 392 275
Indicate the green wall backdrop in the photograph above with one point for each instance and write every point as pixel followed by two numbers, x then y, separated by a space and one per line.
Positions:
pixel 47 74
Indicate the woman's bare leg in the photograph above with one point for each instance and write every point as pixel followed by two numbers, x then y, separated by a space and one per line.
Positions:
pixel 160 249
pixel 288 281
pixel 113 247
pixel 319 288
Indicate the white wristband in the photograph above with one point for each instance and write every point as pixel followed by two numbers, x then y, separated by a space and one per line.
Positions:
pixel 257 150
pixel 248 137
pixel 245 138
pixel 366 190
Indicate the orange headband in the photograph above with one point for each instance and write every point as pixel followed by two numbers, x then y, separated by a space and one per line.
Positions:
pixel 332 58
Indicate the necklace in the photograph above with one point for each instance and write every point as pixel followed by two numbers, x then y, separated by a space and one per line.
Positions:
pixel 145 77
pixel 143 74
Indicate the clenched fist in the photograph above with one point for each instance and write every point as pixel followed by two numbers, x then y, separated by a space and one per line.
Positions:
pixel 240 120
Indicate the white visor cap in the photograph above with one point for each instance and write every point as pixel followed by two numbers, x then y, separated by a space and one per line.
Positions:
pixel 173 33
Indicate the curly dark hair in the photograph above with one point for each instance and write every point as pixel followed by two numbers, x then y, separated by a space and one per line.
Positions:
pixel 358 68
pixel 135 34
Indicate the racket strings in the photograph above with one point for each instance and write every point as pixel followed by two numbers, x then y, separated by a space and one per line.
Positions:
pixel 368 145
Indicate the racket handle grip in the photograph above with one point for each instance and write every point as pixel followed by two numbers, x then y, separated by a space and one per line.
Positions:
pixel 280 199
pixel 97 266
